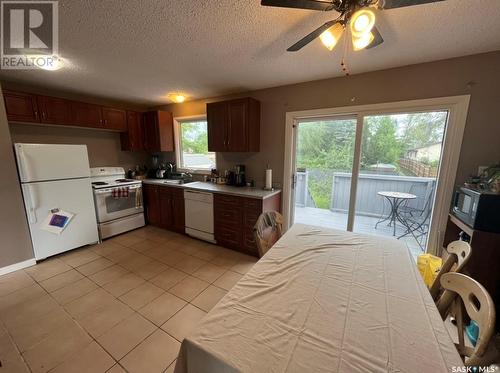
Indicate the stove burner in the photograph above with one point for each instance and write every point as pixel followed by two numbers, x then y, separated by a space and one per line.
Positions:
pixel 99 183
pixel 124 180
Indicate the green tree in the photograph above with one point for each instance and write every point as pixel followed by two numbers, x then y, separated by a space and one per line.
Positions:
pixel 380 141
pixel 194 138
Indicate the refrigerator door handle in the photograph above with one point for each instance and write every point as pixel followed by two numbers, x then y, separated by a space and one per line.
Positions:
pixel 32 202
pixel 24 166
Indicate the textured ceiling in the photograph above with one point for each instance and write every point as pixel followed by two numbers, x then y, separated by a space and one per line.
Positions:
pixel 139 50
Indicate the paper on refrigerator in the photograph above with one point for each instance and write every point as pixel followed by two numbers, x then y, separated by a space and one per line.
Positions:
pixel 57 221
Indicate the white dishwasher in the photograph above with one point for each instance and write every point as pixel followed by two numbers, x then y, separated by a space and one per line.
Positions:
pixel 199 208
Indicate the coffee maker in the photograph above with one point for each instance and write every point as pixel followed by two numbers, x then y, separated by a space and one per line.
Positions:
pixel 239 175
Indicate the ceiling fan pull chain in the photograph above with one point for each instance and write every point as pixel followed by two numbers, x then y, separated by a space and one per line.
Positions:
pixel 343 64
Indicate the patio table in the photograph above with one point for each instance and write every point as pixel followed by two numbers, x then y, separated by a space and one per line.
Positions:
pixel 395 200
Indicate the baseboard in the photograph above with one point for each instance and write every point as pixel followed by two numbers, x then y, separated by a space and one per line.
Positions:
pixel 17 266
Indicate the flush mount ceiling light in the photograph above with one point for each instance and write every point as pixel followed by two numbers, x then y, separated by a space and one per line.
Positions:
pixel 45 62
pixel 177 97
pixel 358 14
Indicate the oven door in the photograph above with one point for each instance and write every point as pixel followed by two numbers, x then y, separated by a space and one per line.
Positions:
pixel 109 208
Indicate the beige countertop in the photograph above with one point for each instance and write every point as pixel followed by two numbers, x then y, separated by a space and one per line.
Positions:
pixel 218 188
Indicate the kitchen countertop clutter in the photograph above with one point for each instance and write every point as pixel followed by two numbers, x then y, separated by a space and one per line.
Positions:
pixel 202 186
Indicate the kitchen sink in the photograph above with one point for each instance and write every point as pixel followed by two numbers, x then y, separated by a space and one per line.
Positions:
pixel 173 181
pixel 176 181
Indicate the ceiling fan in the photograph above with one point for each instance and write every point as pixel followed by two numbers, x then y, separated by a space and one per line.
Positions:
pixel 357 14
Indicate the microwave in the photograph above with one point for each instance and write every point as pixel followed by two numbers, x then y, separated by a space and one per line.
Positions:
pixel 479 209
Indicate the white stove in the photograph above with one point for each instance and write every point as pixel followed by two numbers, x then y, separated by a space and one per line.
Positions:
pixel 107 177
pixel 118 201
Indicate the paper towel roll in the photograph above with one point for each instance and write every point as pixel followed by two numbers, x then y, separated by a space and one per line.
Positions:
pixel 269 179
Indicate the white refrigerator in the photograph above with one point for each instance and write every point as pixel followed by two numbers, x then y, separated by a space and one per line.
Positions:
pixel 56 178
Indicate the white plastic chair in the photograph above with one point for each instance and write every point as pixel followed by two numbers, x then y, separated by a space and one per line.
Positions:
pixel 459 253
pixel 462 292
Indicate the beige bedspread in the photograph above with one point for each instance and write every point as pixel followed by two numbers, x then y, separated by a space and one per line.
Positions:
pixel 323 300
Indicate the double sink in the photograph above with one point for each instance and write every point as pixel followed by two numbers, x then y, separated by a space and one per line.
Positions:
pixel 175 181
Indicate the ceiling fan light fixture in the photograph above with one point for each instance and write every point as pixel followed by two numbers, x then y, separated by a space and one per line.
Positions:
pixel 359 43
pixel 331 37
pixel 362 22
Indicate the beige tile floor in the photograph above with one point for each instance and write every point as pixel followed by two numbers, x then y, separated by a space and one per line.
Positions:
pixel 123 305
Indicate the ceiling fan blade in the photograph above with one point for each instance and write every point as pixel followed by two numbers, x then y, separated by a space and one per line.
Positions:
pixel 391 4
pixel 377 40
pixel 310 37
pixel 300 4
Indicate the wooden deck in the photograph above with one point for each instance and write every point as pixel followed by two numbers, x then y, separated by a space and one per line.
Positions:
pixel 362 224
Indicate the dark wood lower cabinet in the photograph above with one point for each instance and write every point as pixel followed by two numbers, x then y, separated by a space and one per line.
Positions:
pixel 152 203
pixel 235 217
pixel 165 207
pixel 179 220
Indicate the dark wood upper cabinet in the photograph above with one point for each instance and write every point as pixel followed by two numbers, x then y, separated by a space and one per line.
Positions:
pixel 114 119
pixel 234 125
pixel 54 110
pixel 27 107
pixel 133 139
pixel 217 118
pixel 237 126
pixel 158 131
pixel 21 107
pixel 86 115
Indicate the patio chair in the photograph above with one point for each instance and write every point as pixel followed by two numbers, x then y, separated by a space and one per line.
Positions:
pixel 417 224
pixel 458 255
pixel 462 292
pixel 267 230
pixel 409 207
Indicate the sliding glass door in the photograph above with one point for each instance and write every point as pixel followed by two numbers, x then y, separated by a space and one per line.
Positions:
pixel 324 154
pixel 399 165
pixel 369 173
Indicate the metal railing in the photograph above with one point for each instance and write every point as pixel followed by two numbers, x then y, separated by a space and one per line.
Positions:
pixel 368 202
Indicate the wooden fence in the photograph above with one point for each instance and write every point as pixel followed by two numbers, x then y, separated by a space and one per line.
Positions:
pixel 417 168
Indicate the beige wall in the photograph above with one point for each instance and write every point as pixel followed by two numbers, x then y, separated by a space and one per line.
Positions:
pixel 103 147
pixel 481 145
pixel 15 243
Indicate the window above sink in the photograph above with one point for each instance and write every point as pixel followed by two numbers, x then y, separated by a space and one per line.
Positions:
pixel 191 138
